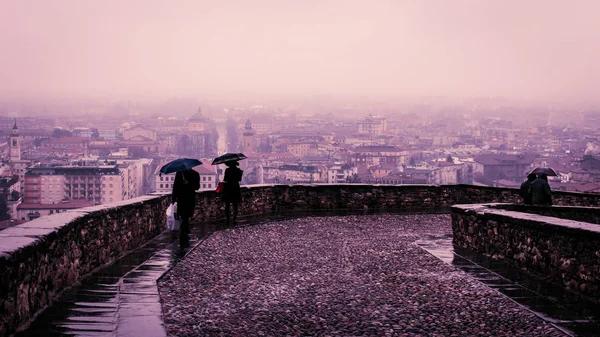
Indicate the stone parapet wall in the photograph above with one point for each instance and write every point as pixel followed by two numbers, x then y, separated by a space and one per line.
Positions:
pixel 41 258
pixel 563 251
pixel 585 214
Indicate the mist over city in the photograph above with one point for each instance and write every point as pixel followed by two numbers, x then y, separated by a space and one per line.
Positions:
pixel 389 168
pixel 268 49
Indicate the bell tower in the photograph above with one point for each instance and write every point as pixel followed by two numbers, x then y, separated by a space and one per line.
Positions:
pixel 248 136
pixel 14 142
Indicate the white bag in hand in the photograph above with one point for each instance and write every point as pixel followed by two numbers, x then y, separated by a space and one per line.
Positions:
pixel 172 223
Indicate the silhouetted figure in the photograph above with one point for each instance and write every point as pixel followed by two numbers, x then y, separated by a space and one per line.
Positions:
pixel 524 191
pixel 232 193
pixel 184 193
pixel 540 191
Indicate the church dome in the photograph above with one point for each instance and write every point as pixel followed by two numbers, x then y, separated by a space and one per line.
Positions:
pixel 197 117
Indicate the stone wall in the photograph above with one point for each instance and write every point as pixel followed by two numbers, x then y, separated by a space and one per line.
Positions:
pixel 42 257
pixel 585 214
pixel 563 251
pixel 261 199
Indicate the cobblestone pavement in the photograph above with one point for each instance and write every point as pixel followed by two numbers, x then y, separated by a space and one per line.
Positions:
pixel 334 276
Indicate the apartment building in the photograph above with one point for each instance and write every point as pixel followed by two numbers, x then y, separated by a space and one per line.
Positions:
pixel 372 125
pixel 95 184
pixel 339 174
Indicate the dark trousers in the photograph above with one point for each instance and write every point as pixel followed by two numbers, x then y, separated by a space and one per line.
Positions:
pixel 185 226
pixel 227 211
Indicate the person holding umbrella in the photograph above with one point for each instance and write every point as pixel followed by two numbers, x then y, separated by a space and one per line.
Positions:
pixel 232 193
pixel 524 190
pixel 540 191
pixel 184 194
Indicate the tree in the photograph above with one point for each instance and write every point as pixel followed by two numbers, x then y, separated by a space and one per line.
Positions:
pixel 37 142
pixel 3 208
pixel 449 159
pixel 354 179
pixel 60 133
pixel 138 152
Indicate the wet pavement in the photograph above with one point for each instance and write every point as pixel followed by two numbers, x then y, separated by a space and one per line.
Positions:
pixel 122 299
pixel 570 313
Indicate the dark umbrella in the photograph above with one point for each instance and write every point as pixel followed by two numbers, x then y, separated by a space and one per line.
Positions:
pixel 547 170
pixel 180 164
pixel 228 157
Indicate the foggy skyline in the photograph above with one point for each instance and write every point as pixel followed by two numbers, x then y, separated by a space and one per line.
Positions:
pixel 531 50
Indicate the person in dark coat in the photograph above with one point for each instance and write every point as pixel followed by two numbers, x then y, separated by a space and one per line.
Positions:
pixel 524 191
pixel 540 191
pixel 184 194
pixel 232 193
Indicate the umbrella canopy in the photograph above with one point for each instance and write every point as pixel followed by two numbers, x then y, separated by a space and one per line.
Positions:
pixel 547 170
pixel 228 157
pixel 180 164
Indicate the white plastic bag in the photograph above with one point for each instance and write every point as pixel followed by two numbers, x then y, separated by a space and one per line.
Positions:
pixel 172 223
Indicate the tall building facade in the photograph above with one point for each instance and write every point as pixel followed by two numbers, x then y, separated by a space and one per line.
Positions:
pixel 94 184
pixel 198 142
pixel 249 143
pixel 14 141
pixel 372 125
pixel 17 165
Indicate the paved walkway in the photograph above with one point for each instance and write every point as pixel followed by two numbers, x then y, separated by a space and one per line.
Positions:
pixel 122 299
pixel 572 315
pixel 359 275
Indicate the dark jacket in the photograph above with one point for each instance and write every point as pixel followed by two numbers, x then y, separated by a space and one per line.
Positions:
pixel 232 191
pixel 184 191
pixel 524 192
pixel 540 192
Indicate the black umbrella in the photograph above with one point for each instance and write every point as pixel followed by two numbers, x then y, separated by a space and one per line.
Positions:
pixel 546 170
pixel 180 164
pixel 228 157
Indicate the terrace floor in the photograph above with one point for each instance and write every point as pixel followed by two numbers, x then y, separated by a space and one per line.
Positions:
pixel 352 275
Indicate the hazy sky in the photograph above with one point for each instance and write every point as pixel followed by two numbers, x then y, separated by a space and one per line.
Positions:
pixel 530 49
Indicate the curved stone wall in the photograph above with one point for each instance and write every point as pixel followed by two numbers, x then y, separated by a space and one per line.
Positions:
pixel 536 239
pixel 42 257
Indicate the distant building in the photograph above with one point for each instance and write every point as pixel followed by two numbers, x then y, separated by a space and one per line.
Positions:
pixel 27 212
pixel 17 165
pixel 340 174
pixel 197 142
pixel 197 122
pixel 249 141
pixel 10 191
pixel 294 174
pixel 372 125
pixel 95 183
pixel 139 131
pixel 496 166
pixel 375 155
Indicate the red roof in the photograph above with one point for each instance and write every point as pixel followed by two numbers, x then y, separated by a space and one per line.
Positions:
pixel 205 169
